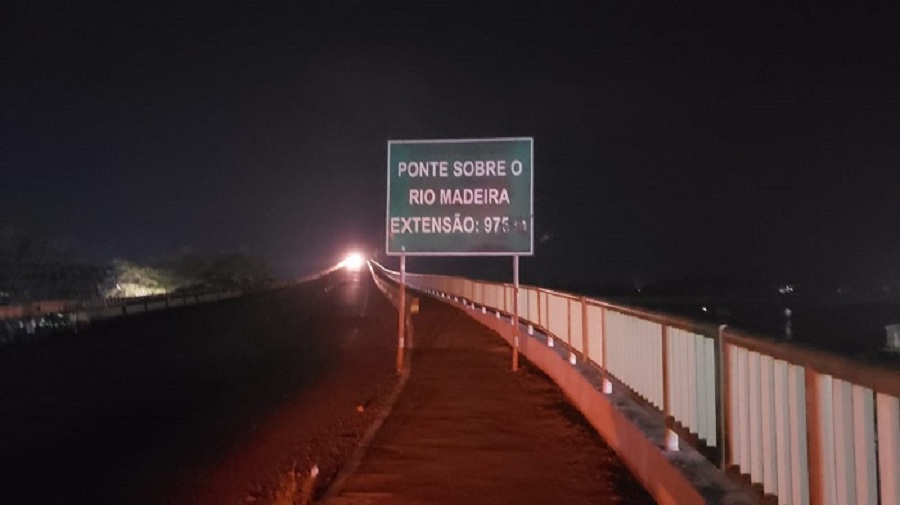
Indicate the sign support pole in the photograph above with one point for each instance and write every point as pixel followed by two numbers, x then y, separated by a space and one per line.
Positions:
pixel 515 321
pixel 401 312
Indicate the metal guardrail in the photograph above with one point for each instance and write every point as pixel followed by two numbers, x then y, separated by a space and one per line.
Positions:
pixel 110 306
pixel 36 308
pixel 25 318
pixel 23 322
pixel 807 426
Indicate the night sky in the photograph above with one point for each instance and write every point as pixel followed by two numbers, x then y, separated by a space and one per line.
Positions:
pixel 670 141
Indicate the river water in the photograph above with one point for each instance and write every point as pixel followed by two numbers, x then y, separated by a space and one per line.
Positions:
pixel 855 328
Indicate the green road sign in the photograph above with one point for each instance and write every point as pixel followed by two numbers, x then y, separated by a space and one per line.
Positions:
pixel 469 197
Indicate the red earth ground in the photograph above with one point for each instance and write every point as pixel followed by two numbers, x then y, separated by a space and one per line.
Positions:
pixel 218 403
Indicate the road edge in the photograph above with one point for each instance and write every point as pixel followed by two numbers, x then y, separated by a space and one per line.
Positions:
pixel 352 465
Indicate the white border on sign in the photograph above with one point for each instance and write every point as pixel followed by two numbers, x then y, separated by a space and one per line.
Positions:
pixel 387 209
pixel 459 141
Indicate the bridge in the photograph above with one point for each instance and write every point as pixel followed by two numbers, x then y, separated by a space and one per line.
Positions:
pixel 697 413
pixel 801 426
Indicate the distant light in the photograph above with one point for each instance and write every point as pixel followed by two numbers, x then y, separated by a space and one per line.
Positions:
pixel 786 289
pixel 353 262
pixel 704 309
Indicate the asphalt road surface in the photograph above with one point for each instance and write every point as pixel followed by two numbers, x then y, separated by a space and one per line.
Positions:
pixel 212 403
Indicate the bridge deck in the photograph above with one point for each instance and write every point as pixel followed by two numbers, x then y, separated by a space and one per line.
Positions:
pixel 466 429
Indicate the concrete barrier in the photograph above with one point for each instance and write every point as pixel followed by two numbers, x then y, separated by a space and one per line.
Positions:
pixel 135 309
pixel 157 305
pixel 107 312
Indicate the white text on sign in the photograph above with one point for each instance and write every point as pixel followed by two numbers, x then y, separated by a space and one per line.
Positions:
pixel 464 196
pixel 468 168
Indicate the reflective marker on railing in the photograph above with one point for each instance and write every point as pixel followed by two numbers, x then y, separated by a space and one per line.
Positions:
pixel 572 359
pixel 549 341
pixel 483 309
pixel 530 330
pixel 671 440
pixel 498 314
pixel 607 386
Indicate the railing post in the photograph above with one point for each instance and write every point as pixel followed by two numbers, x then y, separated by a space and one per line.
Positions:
pixel 671 442
pixel 864 447
pixel 585 341
pixel 755 416
pixel 540 312
pixel 769 421
pixel 607 384
pixel 783 442
pixel 888 415
pixel 820 438
pixel 723 397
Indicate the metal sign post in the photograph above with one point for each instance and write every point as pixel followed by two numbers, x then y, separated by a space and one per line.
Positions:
pixel 515 321
pixel 401 312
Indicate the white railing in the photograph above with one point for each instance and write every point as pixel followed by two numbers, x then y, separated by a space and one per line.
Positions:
pixel 807 426
pixel 812 427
